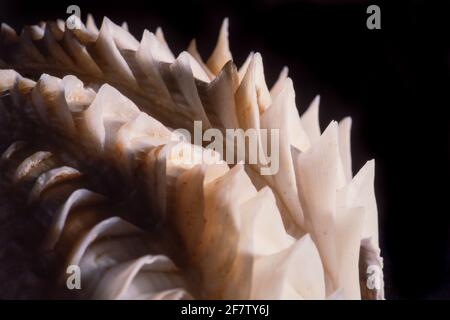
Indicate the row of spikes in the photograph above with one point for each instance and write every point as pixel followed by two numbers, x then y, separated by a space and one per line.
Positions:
pixel 146 71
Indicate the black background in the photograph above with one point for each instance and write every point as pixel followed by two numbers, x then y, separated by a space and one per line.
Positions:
pixel 393 82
